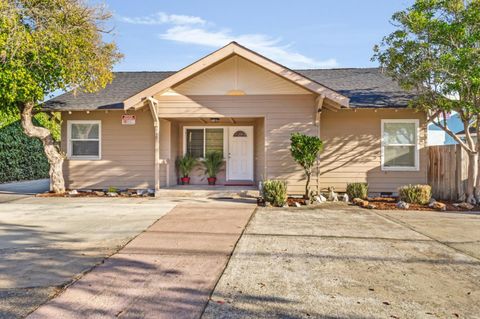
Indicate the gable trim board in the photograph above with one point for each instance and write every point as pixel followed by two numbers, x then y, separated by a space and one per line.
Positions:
pixel 235 87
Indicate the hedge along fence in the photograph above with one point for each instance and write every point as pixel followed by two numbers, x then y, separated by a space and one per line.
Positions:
pixel 22 157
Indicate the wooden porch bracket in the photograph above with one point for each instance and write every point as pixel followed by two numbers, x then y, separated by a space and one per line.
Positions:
pixel 318 108
pixel 152 103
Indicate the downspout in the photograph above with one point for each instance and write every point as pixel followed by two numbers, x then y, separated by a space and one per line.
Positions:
pixel 156 125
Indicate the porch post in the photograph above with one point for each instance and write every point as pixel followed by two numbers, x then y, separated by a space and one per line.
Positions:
pixel 156 124
pixel 318 115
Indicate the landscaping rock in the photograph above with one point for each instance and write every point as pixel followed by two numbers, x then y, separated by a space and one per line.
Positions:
pixel 151 191
pixel 371 206
pixel 332 196
pixel 297 204
pixel 99 193
pixel 364 204
pixel 345 198
pixel 439 206
pixel 465 206
pixel 140 192
pixel 403 205
pixel 360 202
pixel 112 194
pixel 73 192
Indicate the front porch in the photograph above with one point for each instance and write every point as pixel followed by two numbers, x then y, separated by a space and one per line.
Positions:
pixel 240 139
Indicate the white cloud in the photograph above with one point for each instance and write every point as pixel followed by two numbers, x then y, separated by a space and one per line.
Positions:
pixel 263 44
pixel 163 18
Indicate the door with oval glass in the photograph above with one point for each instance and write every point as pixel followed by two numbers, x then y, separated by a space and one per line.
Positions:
pixel 240 153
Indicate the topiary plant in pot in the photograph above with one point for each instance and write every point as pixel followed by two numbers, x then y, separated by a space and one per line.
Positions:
pixel 213 162
pixel 185 165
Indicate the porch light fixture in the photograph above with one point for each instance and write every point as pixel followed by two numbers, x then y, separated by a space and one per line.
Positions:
pixel 214 120
pixel 236 93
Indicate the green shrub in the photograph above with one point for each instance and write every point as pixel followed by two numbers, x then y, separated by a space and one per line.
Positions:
pixel 357 190
pixel 21 157
pixel 213 162
pixel 275 192
pixel 305 150
pixel 185 164
pixel 112 189
pixel 415 194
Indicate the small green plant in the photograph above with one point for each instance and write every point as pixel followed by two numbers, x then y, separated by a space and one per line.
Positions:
pixel 357 190
pixel 112 189
pixel 415 194
pixel 275 192
pixel 305 150
pixel 213 162
pixel 185 164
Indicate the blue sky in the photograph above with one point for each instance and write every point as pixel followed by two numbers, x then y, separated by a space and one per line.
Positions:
pixel 168 35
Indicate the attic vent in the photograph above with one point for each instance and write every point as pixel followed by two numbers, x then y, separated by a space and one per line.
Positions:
pixel 239 134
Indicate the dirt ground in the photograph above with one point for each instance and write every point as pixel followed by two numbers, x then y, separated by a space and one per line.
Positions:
pixel 339 261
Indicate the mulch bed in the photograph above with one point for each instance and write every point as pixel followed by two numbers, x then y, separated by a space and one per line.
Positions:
pixel 389 203
pixel 94 194
pixel 292 200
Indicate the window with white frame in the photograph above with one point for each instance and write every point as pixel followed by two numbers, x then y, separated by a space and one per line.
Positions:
pixel 200 140
pixel 400 144
pixel 84 139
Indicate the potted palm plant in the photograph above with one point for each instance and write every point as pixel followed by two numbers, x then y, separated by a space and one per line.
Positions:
pixel 185 165
pixel 213 162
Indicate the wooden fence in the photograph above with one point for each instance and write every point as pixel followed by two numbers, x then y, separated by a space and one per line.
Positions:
pixel 447 171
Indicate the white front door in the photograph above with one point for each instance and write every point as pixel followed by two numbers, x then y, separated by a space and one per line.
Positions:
pixel 240 153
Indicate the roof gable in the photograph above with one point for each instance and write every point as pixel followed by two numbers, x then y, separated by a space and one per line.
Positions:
pixel 237 76
pixel 227 51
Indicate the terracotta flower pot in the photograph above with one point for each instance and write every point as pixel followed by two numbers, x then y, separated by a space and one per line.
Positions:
pixel 211 180
pixel 185 180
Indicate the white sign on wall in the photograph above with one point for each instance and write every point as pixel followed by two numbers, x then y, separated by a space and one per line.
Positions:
pixel 128 119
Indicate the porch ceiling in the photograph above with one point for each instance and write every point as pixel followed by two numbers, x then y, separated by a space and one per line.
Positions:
pixel 213 121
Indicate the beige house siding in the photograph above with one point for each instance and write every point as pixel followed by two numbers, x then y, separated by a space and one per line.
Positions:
pixel 127 152
pixel 353 150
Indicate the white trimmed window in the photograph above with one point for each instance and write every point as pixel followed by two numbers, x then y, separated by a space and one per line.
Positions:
pixel 400 145
pixel 200 140
pixel 84 140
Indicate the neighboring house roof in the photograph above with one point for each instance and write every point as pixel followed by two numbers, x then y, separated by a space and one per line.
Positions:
pixel 366 87
pixel 472 130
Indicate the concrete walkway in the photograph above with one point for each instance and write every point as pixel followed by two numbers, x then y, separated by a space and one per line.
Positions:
pixel 168 271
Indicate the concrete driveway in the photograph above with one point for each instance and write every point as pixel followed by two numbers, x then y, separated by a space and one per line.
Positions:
pixel 18 190
pixel 340 261
pixel 46 242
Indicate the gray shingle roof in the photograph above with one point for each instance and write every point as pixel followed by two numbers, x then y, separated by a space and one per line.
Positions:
pixel 366 88
pixel 123 86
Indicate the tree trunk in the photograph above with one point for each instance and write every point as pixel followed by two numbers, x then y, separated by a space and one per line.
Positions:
pixel 307 184
pixel 472 178
pixel 55 159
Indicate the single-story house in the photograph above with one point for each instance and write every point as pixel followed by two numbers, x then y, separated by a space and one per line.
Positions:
pixel 237 101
